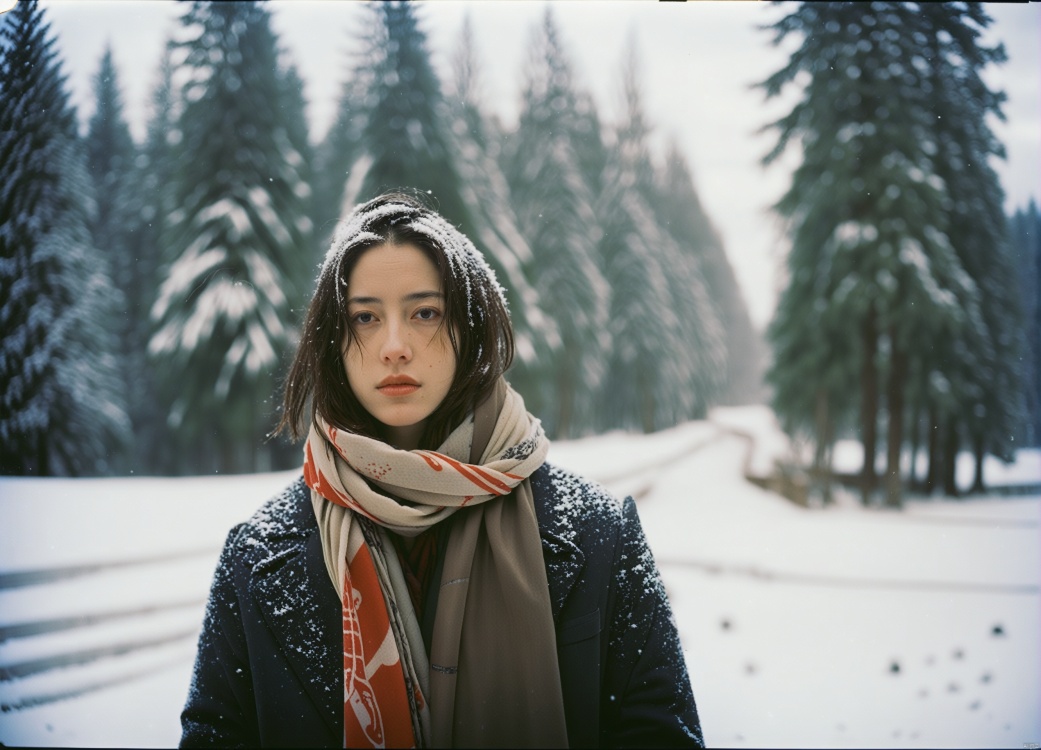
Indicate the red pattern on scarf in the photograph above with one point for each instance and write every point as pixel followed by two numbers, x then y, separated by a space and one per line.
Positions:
pixel 317 481
pixel 376 710
pixel 478 475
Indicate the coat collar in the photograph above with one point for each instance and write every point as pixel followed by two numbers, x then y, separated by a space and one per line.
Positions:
pixel 564 559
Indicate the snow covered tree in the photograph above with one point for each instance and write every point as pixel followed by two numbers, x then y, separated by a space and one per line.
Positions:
pixel 872 260
pixel 981 364
pixel 1025 249
pixel 680 210
pixel 62 409
pixel 668 359
pixel 554 203
pixel 111 159
pixel 149 205
pixel 643 325
pixel 394 124
pixel 339 162
pixel 240 235
pixel 155 166
pixel 476 144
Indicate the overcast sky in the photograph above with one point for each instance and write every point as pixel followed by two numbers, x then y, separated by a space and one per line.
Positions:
pixel 698 60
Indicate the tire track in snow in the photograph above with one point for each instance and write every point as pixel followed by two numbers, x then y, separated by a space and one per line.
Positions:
pixel 56 625
pixel 54 696
pixel 765 575
pixel 19 578
pixel 28 668
pixel 620 481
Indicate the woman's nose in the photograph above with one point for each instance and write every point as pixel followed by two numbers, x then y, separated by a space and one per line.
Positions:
pixel 396 347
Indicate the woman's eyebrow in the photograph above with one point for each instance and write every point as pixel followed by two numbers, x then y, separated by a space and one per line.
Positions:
pixel 412 297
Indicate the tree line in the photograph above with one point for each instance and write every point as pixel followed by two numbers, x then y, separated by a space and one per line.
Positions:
pixel 151 293
pixel 909 315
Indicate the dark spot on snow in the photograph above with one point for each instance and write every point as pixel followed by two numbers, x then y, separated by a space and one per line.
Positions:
pixel 725 624
pixel 894 667
pixel 923 693
pixel 986 677
pixel 958 654
pixel 975 706
pixel 930 660
pixel 997 631
pixel 751 669
pixel 954 687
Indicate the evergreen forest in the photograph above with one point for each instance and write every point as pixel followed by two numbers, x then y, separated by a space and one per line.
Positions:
pixel 151 292
pixel 909 317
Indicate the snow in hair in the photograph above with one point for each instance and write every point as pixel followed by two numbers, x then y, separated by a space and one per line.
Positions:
pixel 465 261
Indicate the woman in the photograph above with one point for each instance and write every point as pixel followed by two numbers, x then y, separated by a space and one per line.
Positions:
pixel 430 580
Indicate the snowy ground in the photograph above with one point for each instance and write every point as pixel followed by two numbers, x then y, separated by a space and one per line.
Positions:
pixel 842 627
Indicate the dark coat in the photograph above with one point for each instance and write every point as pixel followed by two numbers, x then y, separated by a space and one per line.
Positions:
pixel 269 665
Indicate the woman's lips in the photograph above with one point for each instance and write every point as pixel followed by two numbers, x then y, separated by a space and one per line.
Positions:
pixel 398 389
pixel 397 385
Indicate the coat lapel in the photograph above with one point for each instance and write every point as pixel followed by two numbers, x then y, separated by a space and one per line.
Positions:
pixel 292 590
pixel 564 559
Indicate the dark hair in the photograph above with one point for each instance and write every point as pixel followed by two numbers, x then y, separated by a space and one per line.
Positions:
pixel 476 320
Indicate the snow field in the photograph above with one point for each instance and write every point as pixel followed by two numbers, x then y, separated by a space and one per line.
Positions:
pixel 841 627
pixel 126 677
pixel 775 665
pixel 848 627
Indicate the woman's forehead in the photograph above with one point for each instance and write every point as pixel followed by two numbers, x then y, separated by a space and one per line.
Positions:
pixel 391 272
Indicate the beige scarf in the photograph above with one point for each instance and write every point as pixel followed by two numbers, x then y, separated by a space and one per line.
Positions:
pixel 492 678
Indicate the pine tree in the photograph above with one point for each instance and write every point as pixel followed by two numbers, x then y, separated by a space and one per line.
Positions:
pixel 680 210
pixel 643 325
pixel 667 362
pixel 871 257
pixel 1025 250
pixel 700 346
pixel 554 204
pixel 239 232
pixel 399 123
pixel 339 157
pixel 477 145
pixel 111 158
pixel 150 204
pixel 981 364
pixel 153 198
pixel 62 410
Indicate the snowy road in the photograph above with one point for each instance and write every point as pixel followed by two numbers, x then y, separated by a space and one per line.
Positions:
pixel 802 628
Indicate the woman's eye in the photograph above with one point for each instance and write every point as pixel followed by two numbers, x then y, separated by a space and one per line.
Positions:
pixel 428 314
pixel 363 317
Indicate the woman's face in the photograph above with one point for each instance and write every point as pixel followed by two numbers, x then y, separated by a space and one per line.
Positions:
pixel 400 364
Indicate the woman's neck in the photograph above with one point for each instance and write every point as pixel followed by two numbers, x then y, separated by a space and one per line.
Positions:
pixel 404 438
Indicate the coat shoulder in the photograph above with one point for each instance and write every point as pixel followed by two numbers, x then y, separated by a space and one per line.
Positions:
pixel 284 521
pixel 581 524
pixel 571 504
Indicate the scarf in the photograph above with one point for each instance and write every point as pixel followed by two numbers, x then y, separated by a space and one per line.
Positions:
pixel 492 678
